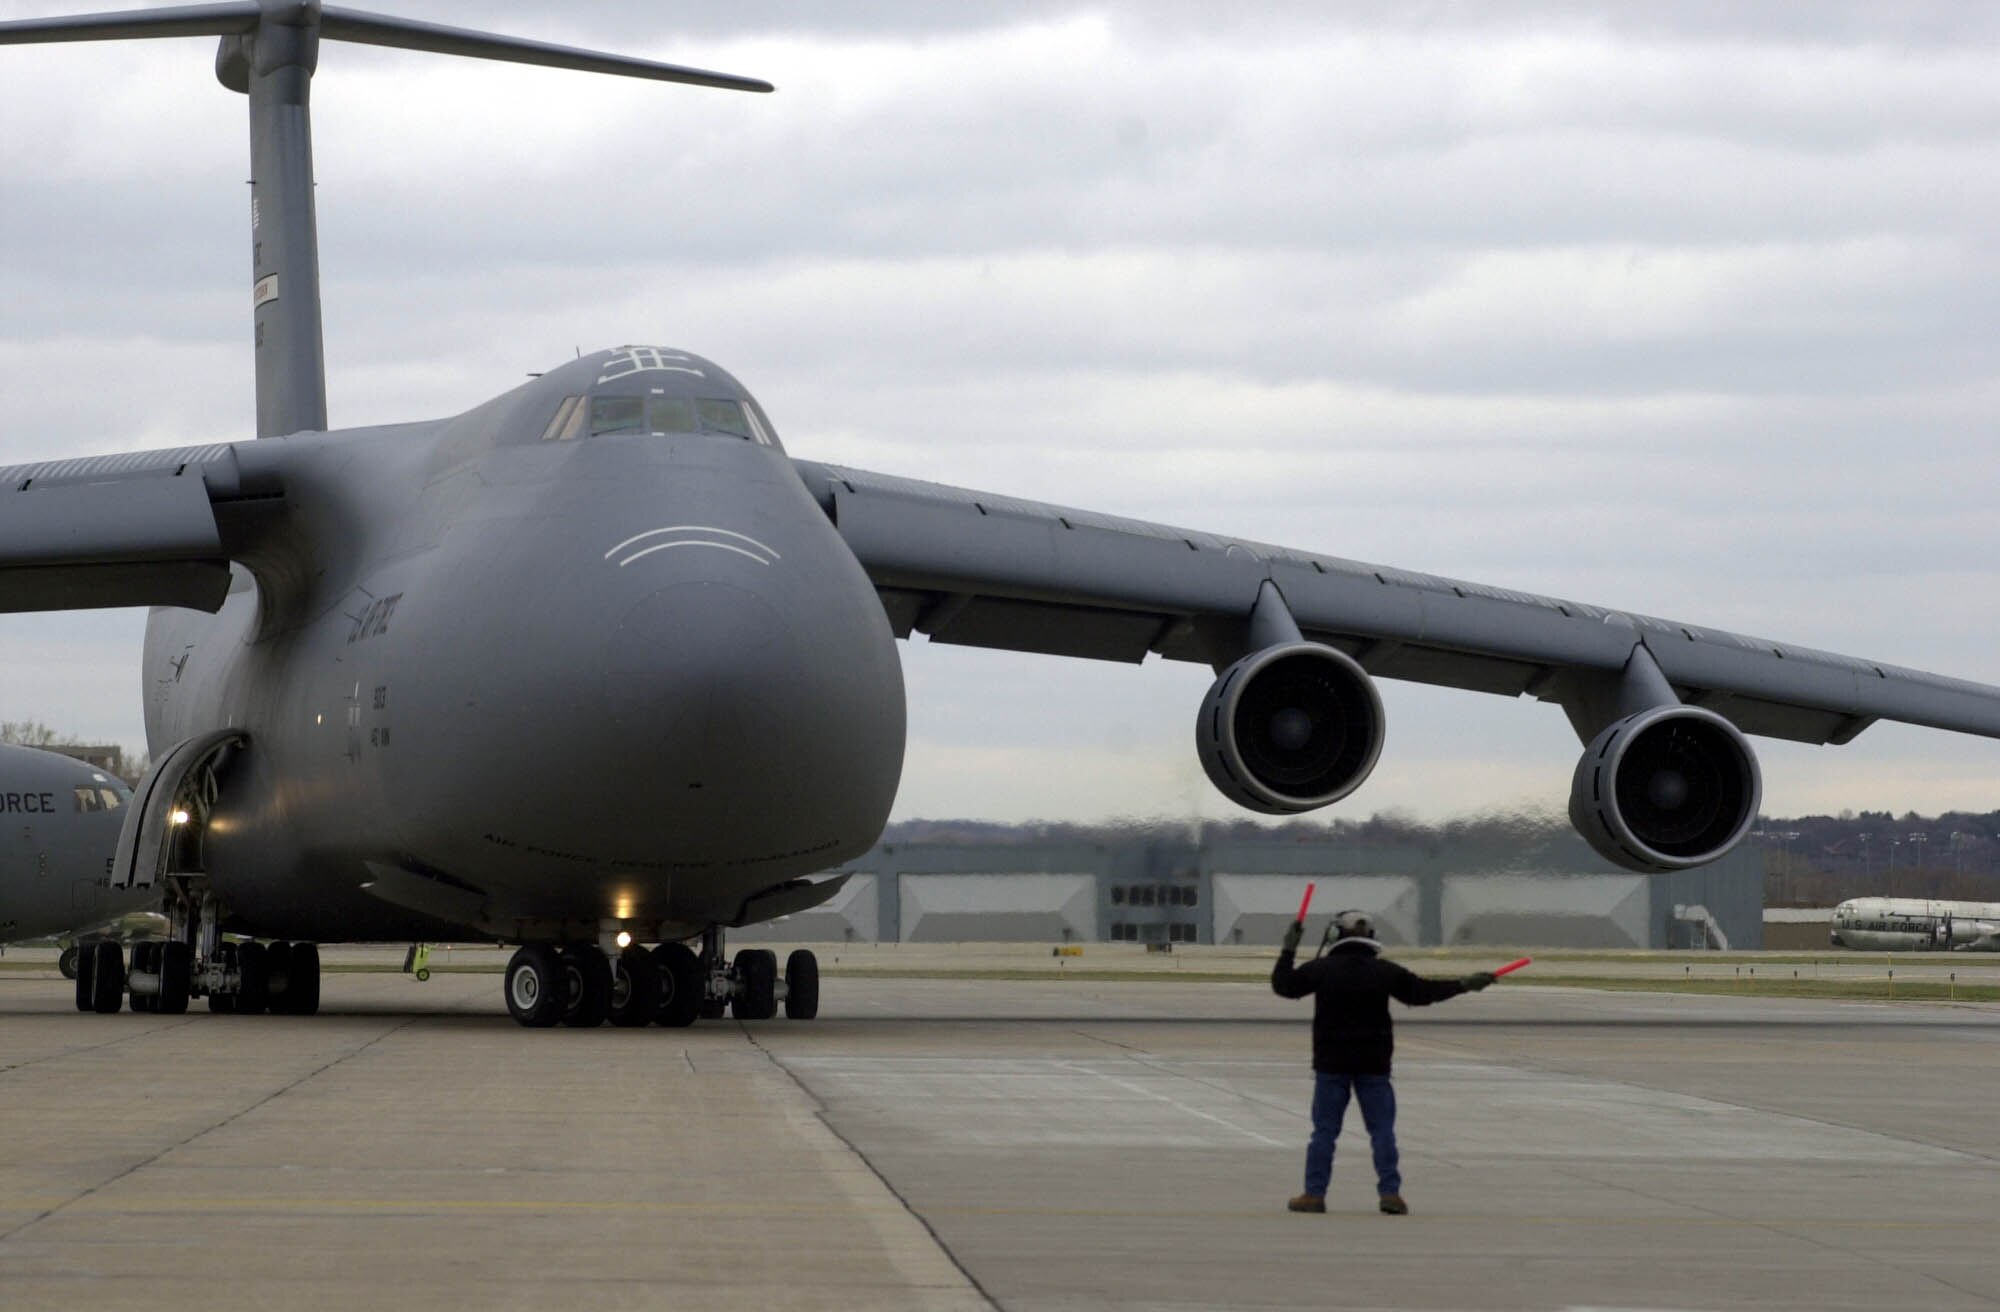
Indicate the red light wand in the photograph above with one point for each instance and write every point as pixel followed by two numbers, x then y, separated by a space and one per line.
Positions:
pixel 1305 902
pixel 1513 966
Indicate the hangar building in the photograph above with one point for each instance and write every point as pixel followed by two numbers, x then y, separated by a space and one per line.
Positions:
pixel 1153 889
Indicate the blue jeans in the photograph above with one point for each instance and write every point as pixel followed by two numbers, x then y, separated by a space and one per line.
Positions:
pixel 1378 1112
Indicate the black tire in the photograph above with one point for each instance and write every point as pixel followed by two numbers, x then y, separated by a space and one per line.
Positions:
pixel 145 957
pixel 304 985
pixel 86 966
pixel 635 989
pixel 253 971
pixel 66 962
pixel 801 986
pixel 277 977
pixel 222 1004
pixel 175 962
pixel 107 978
pixel 536 986
pixel 682 985
pixel 756 984
pixel 587 986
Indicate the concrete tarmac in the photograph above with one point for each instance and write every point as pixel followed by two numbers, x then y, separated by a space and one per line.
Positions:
pixel 931 1143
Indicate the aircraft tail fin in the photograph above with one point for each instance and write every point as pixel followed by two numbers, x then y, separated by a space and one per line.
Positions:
pixel 269 51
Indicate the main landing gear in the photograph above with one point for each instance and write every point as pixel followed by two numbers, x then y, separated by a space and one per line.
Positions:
pixel 583 985
pixel 237 978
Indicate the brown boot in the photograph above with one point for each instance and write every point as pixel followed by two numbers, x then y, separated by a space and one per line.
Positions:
pixel 1394 1205
pixel 1307 1203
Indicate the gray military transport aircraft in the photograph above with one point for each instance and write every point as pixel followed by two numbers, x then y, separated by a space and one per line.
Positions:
pixel 63 817
pixel 595 665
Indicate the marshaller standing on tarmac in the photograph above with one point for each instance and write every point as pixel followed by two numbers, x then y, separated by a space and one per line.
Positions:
pixel 1353 1040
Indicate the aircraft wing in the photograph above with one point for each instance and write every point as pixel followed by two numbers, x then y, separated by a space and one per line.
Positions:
pixel 982 570
pixel 141 528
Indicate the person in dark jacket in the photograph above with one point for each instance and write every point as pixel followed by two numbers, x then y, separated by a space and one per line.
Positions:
pixel 1352 1042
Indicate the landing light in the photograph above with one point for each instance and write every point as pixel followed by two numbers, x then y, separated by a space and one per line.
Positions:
pixel 179 817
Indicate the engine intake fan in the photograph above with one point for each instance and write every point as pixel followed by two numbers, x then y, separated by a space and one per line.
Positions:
pixel 1665 789
pixel 1290 728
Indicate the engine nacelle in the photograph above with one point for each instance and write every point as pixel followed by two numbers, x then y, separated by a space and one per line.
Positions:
pixel 1665 789
pixel 1290 728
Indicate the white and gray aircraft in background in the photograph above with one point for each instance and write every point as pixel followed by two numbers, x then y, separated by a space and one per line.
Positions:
pixel 62 820
pixel 1911 924
pixel 595 665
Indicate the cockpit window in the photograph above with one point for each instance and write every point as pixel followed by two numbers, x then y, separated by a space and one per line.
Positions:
pixel 97 799
pixel 568 422
pixel 671 414
pixel 724 417
pixel 617 414
pixel 659 415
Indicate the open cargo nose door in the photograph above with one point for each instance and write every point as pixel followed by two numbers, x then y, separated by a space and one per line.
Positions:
pixel 169 811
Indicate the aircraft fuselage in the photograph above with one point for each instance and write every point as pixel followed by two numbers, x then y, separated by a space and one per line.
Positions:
pixel 569 676
pixel 61 819
pixel 1903 924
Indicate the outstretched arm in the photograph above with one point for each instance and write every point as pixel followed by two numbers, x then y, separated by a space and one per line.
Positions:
pixel 1414 990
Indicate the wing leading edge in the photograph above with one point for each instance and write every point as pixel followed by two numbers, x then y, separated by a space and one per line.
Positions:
pixel 980 570
pixel 142 528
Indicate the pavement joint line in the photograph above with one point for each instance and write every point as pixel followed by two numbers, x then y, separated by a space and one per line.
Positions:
pixel 1549 1068
pixel 819 1113
pixel 127 1037
pixel 1175 1103
pixel 9 1235
pixel 1241 1095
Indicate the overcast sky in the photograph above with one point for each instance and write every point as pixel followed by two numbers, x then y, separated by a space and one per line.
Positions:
pixel 1691 311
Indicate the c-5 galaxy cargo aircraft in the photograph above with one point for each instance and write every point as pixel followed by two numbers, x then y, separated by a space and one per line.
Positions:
pixel 595 665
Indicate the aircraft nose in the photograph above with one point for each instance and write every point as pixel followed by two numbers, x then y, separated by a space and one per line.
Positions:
pixel 701 681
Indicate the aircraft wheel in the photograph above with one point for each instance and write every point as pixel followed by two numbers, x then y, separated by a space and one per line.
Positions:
pixel 86 972
pixel 682 985
pixel 146 957
pixel 223 1004
pixel 303 987
pixel 537 986
pixel 635 988
pixel 801 986
pixel 253 968
pixel 175 962
pixel 107 977
pixel 757 980
pixel 66 963
pixel 587 990
pixel 278 977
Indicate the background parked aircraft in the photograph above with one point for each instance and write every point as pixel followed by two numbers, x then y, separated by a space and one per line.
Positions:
pixel 1906 924
pixel 62 819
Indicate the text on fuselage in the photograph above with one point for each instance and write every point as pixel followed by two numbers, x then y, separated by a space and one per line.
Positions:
pixel 374 622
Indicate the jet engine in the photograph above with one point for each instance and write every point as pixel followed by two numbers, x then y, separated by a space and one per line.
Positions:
pixel 1665 789
pixel 1290 728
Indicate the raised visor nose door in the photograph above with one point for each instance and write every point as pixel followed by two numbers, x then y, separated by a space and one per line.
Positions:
pixel 151 844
